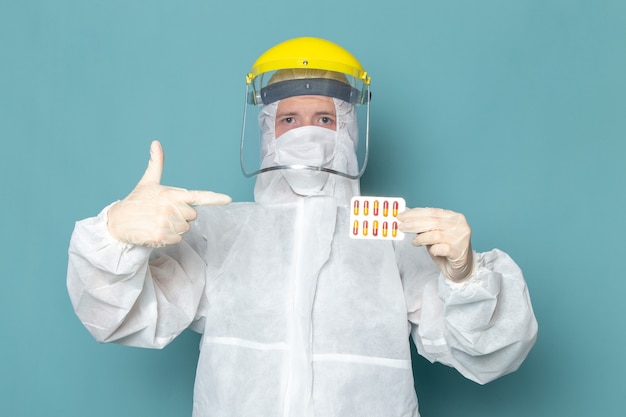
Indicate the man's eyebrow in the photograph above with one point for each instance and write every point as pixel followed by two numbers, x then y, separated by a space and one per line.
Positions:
pixel 296 113
pixel 325 113
pixel 287 113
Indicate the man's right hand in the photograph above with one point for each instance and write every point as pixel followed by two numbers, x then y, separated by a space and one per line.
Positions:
pixel 155 215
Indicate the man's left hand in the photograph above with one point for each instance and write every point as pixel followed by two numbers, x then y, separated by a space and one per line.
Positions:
pixel 445 234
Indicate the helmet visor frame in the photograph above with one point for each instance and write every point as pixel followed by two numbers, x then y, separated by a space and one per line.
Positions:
pixel 335 85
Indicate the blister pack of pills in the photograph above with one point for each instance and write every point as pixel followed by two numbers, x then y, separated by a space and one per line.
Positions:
pixel 375 217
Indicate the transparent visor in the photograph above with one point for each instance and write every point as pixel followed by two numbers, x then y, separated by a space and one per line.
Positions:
pixel 269 88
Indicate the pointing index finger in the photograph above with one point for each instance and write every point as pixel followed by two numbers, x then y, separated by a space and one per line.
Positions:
pixel 206 198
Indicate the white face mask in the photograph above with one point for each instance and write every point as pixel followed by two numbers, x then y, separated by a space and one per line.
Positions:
pixel 308 145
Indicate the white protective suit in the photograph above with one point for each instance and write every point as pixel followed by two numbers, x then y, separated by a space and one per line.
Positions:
pixel 297 318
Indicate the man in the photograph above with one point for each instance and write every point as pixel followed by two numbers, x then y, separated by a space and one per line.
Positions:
pixel 297 318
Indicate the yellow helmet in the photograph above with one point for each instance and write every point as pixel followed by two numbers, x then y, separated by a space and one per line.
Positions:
pixel 308 53
pixel 327 68
pixel 302 67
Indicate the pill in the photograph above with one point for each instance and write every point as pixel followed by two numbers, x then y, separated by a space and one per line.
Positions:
pixel 356 207
pixel 395 209
pixel 365 228
pixel 375 228
pixel 355 228
pixel 385 229
pixel 385 208
pixel 375 207
pixel 394 229
pixel 366 207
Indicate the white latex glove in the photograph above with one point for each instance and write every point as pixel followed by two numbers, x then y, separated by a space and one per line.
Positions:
pixel 155 215
pixel 446 234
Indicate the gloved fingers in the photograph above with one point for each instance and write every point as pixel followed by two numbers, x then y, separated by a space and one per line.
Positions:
pixel 419 225
pixel 206 198
pixel 177 224
pixel 457 237
pixel 173 202
pixel 421 220
pixel 165 230
pixel 428 238
pixel 439 243
pixel 196 197
pixel 421 212
pixel 439 250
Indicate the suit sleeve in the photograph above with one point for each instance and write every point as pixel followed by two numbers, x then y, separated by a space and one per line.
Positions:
pixel 133 295
pixel 484 327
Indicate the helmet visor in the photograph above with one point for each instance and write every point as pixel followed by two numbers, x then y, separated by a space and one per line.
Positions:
pixel 269 88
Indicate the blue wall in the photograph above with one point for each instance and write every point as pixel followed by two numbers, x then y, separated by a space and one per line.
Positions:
pixel 513 113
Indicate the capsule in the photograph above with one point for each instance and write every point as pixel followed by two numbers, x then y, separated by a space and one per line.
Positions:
pixel 385 228
pixel 375 207
pixel 366 207
pixel 386 208
pixel 356 207
pixel 365 228
pixel 394 211
pixel 355 228
pixel 375 228
pixel 394 229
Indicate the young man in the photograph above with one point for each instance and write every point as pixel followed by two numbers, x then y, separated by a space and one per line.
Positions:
pixel 297 318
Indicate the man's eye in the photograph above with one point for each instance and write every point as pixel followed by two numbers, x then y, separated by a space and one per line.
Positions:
pixel 288 120
pixel 326 120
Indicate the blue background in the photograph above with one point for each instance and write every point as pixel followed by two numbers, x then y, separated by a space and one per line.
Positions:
pixel 513 113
